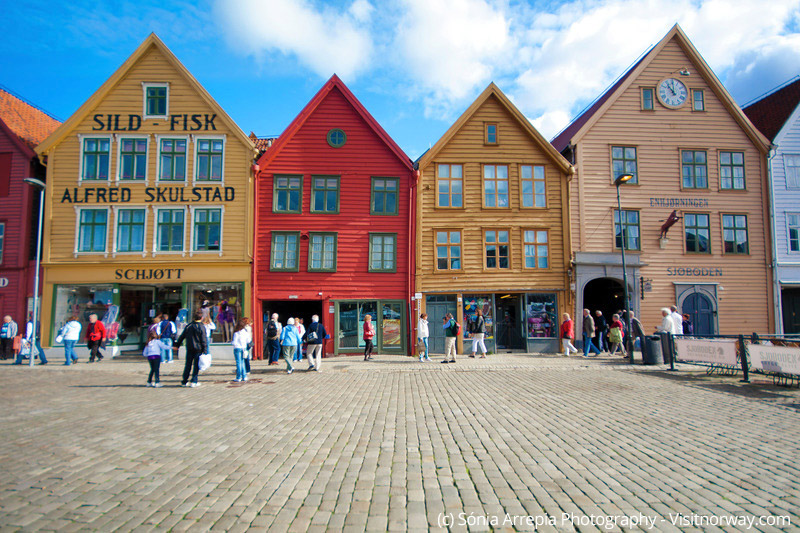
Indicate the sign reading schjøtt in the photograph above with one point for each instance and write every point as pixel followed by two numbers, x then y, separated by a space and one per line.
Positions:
pixel 774 358
pixel 720 352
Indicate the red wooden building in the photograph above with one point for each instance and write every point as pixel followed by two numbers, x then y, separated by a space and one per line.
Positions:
pixel 22 127
pixel 334 225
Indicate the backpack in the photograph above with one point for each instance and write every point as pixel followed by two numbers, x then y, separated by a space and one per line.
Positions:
pixel 272 330
pixel 455 329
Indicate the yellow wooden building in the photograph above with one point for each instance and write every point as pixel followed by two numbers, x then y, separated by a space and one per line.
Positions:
pixel 148 204
pixel 670 123
pixel 493 229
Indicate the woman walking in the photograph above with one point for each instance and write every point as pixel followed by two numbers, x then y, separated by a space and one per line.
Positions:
pixel 369 333
pixel 153 354
pixel 208 326
pixel 616 335
pixel 248 353
pixel 71 333
pixel 241 338
pixel 568 335
pixel 289 343
pixel 477 333
pixel 422 336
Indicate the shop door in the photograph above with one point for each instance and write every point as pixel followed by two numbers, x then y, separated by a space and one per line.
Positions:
pixel 790 303
pixel 436 313
pixel 392 320
pixel 135 304
pixel 701 313
pixel 510 331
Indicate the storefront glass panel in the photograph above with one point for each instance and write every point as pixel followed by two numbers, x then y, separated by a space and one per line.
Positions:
pixel 473 302
pixel 136 313
pixel 81 301
pixel 388 324
pixel 542 315
pixel 221 302
pixel 392 326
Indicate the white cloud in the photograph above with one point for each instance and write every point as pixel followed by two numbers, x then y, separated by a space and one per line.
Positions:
pixel 325 40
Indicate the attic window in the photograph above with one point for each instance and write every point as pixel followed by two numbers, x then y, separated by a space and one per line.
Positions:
pixel 336 138
pixel 156 96
pixel 490 133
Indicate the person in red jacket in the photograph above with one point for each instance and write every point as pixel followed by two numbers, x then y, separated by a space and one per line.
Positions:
pixel 567 334
pixel 369 333
pixel 95 335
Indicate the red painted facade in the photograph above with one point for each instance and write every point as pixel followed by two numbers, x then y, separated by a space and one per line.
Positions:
pixel 303 150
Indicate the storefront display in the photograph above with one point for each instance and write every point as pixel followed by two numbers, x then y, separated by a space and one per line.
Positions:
pixel 388 325
pixel 542 315
pixel 81 301
pixel 485 303
pixel 221 303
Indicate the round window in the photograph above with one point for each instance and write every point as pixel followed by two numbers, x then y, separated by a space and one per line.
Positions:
pixel 336 138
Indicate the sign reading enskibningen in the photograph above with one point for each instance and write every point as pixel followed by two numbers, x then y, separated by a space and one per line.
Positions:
pixel 774 358
pixel 720 352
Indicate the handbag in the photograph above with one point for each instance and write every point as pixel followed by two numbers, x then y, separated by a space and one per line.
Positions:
pixel 60 339
pixel 25 347
pixel 205 362
pixel 615 335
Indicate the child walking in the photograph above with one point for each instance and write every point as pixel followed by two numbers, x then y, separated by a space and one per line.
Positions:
pixel 153 353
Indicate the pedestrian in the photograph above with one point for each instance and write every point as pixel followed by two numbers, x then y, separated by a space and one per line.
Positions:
pixel 196 344
pixel 422 335
pixel 688 327
pixel 7 333
pixel 315 337
pixel 289 343
pixel 71 332
pixel 152 351
pixel 637 330
pixel 369 333
pixel 477 334
pixel 567 335
pixel 677 319
pixel 616 335
pixel 154 324
pixel 601 329
pixel 301 331
pixel 666 330
pixel 95 335
pixel 209 326
pixel 272 333
pixel 167 333
pixel 248 353
pixel 451 328
pixel 35 341
pixel 241 338
pixel 588 333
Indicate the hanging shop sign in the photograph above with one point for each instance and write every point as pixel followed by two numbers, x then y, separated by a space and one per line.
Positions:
pixel 196 122
pixel 122 195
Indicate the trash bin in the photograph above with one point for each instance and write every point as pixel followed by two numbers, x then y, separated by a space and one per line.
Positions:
pixel 653 355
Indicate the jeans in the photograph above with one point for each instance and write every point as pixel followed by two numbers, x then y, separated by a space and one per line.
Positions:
pixel 288 354
pixel 247 357
pixel 166 353
pixel 155 365
pixel 425 341
pixel 274 346
pixel 69 352
pixel 192 365
pixel 238 355
pixel 589 345
pixel 601 341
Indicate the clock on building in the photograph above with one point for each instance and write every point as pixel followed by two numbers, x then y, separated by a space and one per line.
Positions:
pixel 672 93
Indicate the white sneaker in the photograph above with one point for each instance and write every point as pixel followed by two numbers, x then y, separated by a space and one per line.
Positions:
pixel 245 378
pixel 157 385
pixel 149 384
pixel 290 371
pixel 237 380
pixel 193 385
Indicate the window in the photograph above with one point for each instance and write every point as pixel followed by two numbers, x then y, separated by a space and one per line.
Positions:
pixel 92 230
pixel 490 134
pixel 623 161
pixel 285 250
pixel 209 160
pixel 384 196
pixel 698 100
pixel 698 232
pixel 96 152
pixel 448 250
pixel 791 164
pixel 169 233
pixel 336 138
pixel 172 159
pixel 647 98
pixel 155 100
pixel 536 248
pixel 628 228
pixel 287 194
pixel 5 173
pixel 132 159
pixel 451 192
pixel 734 234
pixel 731 170
pixel 793 226
pixel 695 172
pixel 130 230
pixel 2 239
pixel 322 252
pixel 496 249
pixel 207 230
pixel 324 194
pixel 382 252
pixel 534 193
pixel 495 186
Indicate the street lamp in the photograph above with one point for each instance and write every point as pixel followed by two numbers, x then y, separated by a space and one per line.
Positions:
pixel 624 178
pixel 40 186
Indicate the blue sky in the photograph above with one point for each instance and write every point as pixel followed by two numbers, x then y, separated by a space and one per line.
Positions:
pixel 415 64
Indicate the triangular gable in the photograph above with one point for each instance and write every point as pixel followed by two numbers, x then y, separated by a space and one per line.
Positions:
pixel 493 90
pixel 151 41
pixel 774 111
pixel 295 126
pixel 26 150
pixel 587 119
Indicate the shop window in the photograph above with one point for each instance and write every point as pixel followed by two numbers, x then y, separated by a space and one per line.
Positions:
pixel 221 303
pixel 536 245
pixel 92 225
pixel 325 194
pixel 694 169
pixel 172 160
pixel 207 230
pixel 95 155
pixel 490 134
pixel 2 240
pixel 791 164
pixel 81 301
pixel 473 302
pixel 647 99
pixel 534 193
pixel 497 250
pixel 170 233
pixel 793 227
pixel 285 250
pixel 351 323
pixel 287 194
pixel 156 100
pixel 623 161
pixel 130 230
pixel 495 186
pixel 698 100
pixel 450 186
pixel 384 196
pixel 209 159
pixel 626 224
pixel 448 250
pixel 133 159
pixel 731 170
pixel 382 252
pixel 698 231
pixel 734 234
pixel 542 315
pixel 322 252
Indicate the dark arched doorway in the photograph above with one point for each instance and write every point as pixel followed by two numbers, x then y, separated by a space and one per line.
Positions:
pixel 701 312
pixel 605 294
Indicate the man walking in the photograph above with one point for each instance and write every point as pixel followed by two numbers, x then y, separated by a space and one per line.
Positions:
pixel 450 333
pixel 7 333
pixel 315 337
pixel 273 335
pixel 588 333
pixel 196 344
pixel 666 330
pixel 638 331
pixel 677 319
pixel 601 331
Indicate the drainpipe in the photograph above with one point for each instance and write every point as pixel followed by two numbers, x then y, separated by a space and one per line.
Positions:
pixel 412 246
pixel 776 292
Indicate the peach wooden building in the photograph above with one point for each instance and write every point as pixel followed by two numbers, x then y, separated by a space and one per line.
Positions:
pixel 493 229
pixel 670 122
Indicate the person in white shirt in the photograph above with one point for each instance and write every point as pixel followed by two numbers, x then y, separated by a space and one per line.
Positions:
pixel 72 334
pixel 667 330
pixel 241 338
pixel 301 330
pixel 677 319
pixel 422 335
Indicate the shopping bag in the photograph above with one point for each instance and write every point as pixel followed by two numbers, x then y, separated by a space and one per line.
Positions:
pixel 25 348
pixel 60 339
pixel 205 362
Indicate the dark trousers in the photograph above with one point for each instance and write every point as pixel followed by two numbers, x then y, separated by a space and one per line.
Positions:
pixel 6 348
pixel 247 365
pixel 274 346
pixel 666 346
pixel 368 348
pixel 155 365
pixel 192 365
pixel 94 350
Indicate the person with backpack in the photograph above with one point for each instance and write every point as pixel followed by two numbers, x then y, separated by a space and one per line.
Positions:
pixel 167 333
pixel 196 344
pixel 369 333
pixel 315 337
pixel 273 345
pixel 477 332
pixel 451 331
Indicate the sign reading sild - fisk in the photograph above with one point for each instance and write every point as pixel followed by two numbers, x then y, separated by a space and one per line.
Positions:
pixel 122 195
pixel 184 122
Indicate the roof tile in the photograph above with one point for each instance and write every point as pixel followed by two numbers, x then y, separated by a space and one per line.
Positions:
pixel 30 124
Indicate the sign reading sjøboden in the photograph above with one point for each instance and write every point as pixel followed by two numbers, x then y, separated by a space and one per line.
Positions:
pixel 720 352
pixel 779 359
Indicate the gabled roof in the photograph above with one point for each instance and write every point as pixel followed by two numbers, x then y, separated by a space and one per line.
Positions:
pixel 152 41
pixel 493 90
pixel 25 121
pixel 333 83
pixel 578 128
pixel 770 113
pixel 262 143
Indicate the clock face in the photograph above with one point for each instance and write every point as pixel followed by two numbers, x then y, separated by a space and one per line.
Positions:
pixel 672 93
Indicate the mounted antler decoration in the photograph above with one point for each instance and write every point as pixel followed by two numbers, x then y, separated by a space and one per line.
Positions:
pixel 671 220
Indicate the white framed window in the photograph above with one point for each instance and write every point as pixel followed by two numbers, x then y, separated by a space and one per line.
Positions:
pixel 130 228
pixel 91 230
pixel 793 231
pixel 155 100
pixel 209 158
pixel 173 157
pixel 170 233
pixel 207 229
pixel 132 157
pixel 791 164
pixel 95 162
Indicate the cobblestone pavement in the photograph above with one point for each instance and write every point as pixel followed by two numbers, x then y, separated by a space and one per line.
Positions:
pixel 395 444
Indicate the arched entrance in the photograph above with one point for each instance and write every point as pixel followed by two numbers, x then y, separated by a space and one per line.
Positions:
pixel 605 294
pixel 701 312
